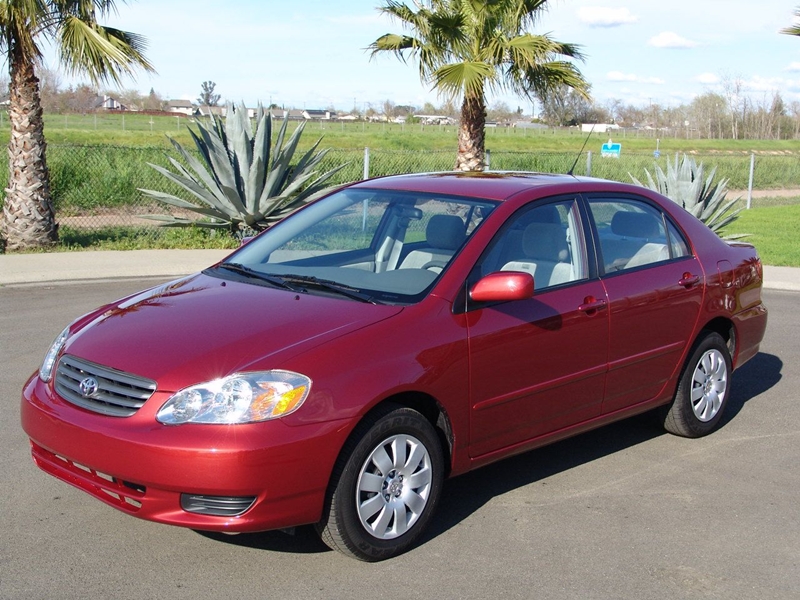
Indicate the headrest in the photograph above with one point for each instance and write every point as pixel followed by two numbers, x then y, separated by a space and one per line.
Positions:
pixel 446 232
pixel 545 214
pixel 545 241
pixel 634 224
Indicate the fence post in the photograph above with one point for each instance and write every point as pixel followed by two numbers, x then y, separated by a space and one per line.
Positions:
pixel 488 160
pixel 589 163
pixel 750 184
pixel 366 162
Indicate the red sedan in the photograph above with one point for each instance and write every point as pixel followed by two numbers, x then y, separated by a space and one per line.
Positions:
pixel 337 368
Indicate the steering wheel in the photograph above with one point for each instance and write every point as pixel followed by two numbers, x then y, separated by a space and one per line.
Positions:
pixel 434 264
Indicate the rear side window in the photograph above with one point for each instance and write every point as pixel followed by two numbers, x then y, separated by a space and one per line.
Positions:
pixel 633 234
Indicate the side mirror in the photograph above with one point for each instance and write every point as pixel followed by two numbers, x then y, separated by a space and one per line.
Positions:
pixel 503 286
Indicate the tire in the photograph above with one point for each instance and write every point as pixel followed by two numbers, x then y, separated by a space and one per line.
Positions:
pixel 703 389
pixel 385 486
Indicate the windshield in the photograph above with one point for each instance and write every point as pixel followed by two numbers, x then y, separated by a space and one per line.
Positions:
pixel 381 246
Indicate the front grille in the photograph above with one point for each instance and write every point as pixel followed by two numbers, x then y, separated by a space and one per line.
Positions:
pixel 220 506
pixel 110 392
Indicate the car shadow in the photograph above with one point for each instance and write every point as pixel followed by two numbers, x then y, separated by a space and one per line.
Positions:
pixel 466 494
pixel 755 377
pixel 299 540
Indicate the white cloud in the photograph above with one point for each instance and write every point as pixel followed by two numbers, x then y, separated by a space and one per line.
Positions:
pixel 795 66
pixel 769 84
pixel 620 76
pixel 670 39
pixel 707 78
pixel 601 16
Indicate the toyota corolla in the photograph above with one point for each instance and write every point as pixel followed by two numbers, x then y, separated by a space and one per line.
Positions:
pixel 336 369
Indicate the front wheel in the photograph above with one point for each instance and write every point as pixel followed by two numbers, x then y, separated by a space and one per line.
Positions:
pixel 385 486
pixel 703 389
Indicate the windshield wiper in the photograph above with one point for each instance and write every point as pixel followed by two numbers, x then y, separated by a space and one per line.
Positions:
pixel 253 273
pixel 331 286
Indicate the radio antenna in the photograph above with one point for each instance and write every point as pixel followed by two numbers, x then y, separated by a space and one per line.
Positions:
pixel 577 158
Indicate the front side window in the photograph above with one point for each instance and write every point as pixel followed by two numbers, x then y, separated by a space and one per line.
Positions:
pixel 632 234
pixel 381 245
pixel 545 240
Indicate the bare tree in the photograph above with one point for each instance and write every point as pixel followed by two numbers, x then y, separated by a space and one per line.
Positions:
pixel 154 101
pixel 50 89
pixel 207 96
pixel 732 88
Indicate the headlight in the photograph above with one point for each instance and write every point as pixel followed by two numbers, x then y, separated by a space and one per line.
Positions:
pixel 46 370
pixel 240 398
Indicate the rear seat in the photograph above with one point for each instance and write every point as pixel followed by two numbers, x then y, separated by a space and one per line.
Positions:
pixel 639 242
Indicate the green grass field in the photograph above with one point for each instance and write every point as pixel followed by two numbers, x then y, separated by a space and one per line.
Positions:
pixel 773 231
pixel 97 162
pixel 132 129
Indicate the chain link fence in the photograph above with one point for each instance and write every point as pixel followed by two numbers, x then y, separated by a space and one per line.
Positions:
pixel 95 187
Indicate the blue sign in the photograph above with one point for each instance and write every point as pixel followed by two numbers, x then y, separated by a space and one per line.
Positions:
pixel 656 153
pixel 611 149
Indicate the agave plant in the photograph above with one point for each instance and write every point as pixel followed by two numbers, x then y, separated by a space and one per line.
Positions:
pixel 241 181
pixel 683 183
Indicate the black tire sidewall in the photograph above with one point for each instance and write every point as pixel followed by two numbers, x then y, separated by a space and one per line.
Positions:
pixel 691 425
pixel 360 542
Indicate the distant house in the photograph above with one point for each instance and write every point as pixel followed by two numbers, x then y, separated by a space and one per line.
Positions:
pixel 107 102
pixel 318 115
pixel 207 111
pixel 598 127
pixel 435 119
pixel 182 107
pixel 292 115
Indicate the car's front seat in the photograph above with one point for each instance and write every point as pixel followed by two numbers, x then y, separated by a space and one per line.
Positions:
pixel 444 235
pixel 546 255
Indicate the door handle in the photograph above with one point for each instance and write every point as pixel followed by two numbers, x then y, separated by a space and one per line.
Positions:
pixel 592 304
pixel 688 280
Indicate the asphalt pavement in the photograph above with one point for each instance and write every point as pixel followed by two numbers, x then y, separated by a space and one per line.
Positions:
pixel 625 512
pixel 72 267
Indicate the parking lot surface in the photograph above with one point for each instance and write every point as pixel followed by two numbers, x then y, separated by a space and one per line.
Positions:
pixel 624 512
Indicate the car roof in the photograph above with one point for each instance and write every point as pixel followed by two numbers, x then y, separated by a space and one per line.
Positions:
pixel 493 185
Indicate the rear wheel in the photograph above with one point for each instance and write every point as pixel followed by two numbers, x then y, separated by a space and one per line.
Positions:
pixel 703 389
pixel 385 486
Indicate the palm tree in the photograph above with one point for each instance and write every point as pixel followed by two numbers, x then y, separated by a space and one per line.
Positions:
pixel 794 29
pixel 85 46
pixel 466 48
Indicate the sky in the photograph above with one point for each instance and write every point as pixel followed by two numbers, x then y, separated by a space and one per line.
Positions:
pixel 311 54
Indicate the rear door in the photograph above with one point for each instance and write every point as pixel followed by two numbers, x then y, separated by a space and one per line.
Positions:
pixel 655 293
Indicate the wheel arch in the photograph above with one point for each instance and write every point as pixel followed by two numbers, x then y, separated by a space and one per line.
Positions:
pixel 724 327
pixel 423 403
pixel 428 407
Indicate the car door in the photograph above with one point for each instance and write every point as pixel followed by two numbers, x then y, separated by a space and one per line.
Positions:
pixel 537 365
pixel 655 292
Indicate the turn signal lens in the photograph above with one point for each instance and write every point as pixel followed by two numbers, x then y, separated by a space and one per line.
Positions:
pixel 49 363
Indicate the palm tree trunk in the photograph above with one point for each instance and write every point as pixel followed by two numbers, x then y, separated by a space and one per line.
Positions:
pixel 28 219
pixel 471 135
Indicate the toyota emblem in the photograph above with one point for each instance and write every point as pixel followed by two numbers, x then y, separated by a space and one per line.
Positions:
pixel 88 387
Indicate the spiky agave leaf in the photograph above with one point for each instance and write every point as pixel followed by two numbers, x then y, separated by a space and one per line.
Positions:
pixel 241 181
pixel 684 184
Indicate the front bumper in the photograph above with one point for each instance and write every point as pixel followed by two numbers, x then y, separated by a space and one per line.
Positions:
pixel 144 468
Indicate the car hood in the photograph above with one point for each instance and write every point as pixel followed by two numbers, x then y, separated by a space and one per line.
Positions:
pixel 200 328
